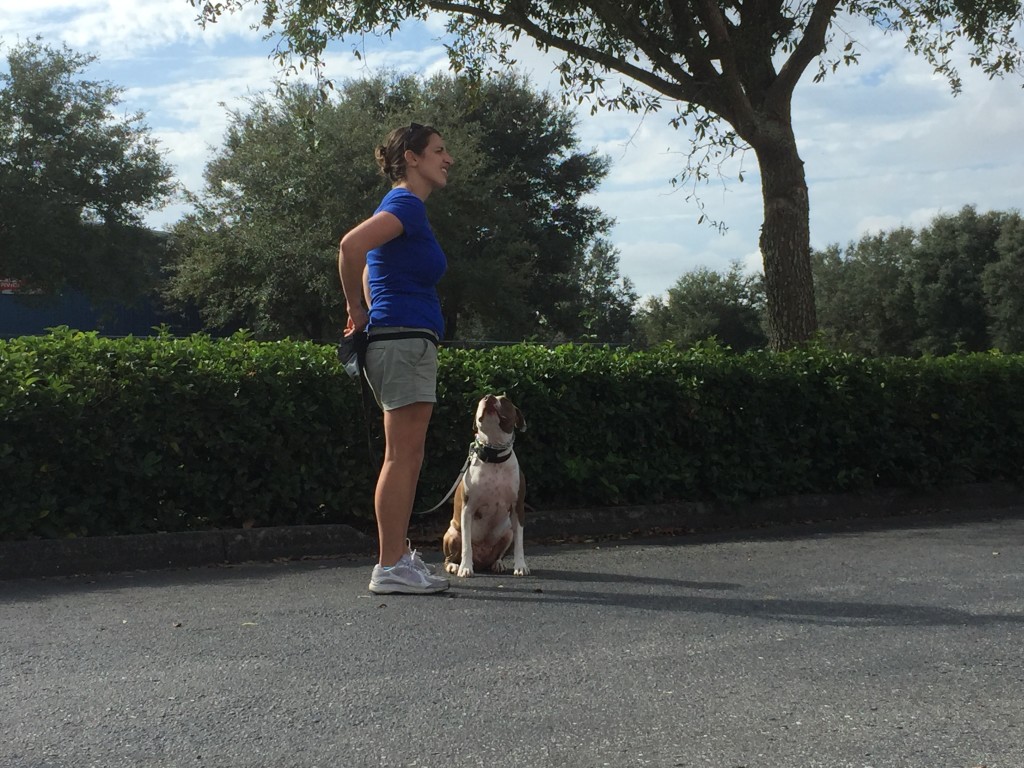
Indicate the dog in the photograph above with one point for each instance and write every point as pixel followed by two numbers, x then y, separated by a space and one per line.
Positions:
pixel 490 500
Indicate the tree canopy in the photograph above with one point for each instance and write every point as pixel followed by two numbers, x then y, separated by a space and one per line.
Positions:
pixel 729 69
pixel 1003 284
pixel 955 285
pixel 526 256
pixel 864 297
pixel 75 179
pixel 704 303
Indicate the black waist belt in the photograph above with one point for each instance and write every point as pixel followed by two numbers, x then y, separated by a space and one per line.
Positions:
pixel 395 335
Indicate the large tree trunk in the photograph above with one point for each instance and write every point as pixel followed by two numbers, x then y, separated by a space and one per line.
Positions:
pixel 785 236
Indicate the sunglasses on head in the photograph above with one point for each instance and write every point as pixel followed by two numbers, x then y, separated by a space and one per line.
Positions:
pixel 411 131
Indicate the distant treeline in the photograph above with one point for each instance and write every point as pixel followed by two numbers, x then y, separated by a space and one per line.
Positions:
pixel 955 285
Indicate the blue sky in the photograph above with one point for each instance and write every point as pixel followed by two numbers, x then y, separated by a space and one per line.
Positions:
pixel 884 143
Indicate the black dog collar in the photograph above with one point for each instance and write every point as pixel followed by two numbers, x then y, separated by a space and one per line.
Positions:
pixel 488 454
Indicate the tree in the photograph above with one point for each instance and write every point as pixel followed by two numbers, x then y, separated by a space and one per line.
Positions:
pixel 1003 283
pixel 75 180
pixel 946 274
pixel 602 309
pixel 704 303
pixel 296 172
pixel 261 249
pixel 730 69
pixel 953 285
pixel 864 295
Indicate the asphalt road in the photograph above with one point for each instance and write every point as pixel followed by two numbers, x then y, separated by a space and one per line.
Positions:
pixel 888 648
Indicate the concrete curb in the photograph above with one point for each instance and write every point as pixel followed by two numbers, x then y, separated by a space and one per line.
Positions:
pixel 784 511
pixel 63 557
pixel 739 517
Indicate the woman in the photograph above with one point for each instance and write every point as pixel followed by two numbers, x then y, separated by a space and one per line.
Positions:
pixel 394 261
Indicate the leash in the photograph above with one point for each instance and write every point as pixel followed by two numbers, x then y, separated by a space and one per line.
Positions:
pixel 486 453
pixel 352 354
pixel 451 491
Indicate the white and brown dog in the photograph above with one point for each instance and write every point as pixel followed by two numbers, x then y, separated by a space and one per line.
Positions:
pixel 490 499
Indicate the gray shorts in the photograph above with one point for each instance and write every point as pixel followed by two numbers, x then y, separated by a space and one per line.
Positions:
pixel 401 371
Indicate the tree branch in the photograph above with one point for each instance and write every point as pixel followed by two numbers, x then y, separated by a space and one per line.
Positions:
pixel 612 13
pixel 684 90
pixel 693 46
pixel 742 112
pixel 811 44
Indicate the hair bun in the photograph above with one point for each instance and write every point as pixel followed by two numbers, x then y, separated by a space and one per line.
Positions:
pixel 380 153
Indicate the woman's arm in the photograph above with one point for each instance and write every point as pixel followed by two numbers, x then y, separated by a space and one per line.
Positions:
pixel 372 233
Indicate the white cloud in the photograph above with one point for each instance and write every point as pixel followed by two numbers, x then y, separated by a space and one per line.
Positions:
pixel 120 29
pixel 425 61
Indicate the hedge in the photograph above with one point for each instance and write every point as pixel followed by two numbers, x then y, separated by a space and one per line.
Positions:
pixel 110 436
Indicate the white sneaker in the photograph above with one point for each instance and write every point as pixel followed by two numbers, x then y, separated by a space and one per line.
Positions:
pixel 405 578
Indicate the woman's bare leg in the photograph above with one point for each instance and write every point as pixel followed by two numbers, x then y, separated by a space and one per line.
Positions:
pixel 405 434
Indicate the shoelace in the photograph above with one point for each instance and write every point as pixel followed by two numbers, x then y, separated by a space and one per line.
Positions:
pixel 417 561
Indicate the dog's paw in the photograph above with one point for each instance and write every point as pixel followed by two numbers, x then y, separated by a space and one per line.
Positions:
pixel 499 567
pixel 521 570
pixel 465 573
pixel 451 567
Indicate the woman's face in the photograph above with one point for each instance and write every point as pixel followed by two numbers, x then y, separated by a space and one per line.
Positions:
pixel 433 163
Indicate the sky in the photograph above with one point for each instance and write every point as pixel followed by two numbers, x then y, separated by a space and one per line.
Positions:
pixel 884 143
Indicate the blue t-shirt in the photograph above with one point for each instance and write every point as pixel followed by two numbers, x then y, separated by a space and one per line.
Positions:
pixel 404 272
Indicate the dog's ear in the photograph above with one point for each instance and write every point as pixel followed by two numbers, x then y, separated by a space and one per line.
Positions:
pixel 520 420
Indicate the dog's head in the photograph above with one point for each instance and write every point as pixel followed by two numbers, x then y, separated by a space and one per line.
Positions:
pixel 497 417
